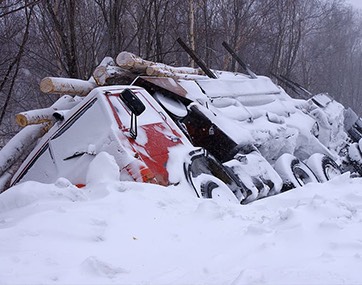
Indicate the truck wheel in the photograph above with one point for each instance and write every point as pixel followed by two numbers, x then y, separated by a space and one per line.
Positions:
pixel 216 189
pixel 324 167
pixel 209 178
pixel 293 172
pixel 355 157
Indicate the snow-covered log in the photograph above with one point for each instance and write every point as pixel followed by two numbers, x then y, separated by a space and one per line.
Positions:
pixel 71 86
pixel 5 181
pixel 165 70
pixel 108 73
pixel 159 72
pixel 39 116
pixel 136 64
pixel 20 144
pixel 34 117
pixel 132 62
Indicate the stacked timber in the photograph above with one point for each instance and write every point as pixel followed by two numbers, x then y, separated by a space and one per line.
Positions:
pixel 126 68
pixel 108 73
pixel 136 64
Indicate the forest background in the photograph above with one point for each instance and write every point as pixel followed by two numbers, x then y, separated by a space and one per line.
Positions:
pixel 317 43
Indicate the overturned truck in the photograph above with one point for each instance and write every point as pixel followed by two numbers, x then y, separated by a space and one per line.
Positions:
pixel 225 135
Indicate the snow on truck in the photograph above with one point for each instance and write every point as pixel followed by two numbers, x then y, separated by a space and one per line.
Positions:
pixel 227 135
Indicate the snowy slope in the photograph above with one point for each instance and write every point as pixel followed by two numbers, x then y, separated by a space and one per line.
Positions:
pixel 115 232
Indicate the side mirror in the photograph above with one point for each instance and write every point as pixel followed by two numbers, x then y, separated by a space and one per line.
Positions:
pixel 132 102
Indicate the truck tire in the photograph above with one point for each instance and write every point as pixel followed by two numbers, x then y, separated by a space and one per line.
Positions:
pixel 324 167
pixel 209 178
pixel 293 172
pixel 355 157
pixel 214 188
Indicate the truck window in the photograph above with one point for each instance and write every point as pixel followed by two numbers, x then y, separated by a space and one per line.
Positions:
pixel 65 154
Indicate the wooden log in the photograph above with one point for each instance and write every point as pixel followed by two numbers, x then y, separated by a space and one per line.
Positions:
pixel 107 61
pixel 110 75
pixel 132 62
pixel 19 144
pixel 5 180
pixel 100 74
pixel 162 70
pixel 34 117
pixel 70 86
pixel 39 116
pixel 156 69
pixel 127 60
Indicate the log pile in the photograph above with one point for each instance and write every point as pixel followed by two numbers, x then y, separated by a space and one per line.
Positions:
pixel 107 73
pixel 123 71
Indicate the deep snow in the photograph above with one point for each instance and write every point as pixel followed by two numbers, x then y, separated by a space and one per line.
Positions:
pixel 113 232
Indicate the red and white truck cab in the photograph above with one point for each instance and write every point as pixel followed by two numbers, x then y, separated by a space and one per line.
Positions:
pixel 129 124
pixel 124 121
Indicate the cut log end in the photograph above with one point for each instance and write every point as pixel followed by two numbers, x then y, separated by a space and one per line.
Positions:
pixel 46 85
pixel 126 59
pixel 24 120
pixel 21 120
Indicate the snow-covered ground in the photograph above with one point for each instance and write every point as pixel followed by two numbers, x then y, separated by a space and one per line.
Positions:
pixel 113 232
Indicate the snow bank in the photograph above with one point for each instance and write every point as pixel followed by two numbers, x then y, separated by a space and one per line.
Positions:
pixel 147 234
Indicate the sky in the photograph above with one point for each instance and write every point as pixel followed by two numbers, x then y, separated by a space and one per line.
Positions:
pixel 356 3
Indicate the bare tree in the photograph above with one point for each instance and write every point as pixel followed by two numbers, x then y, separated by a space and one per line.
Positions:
pixel 316 42
pixel 9 7
pixel 13 67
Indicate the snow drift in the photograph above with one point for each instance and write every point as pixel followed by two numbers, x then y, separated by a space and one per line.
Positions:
pixel 113 232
